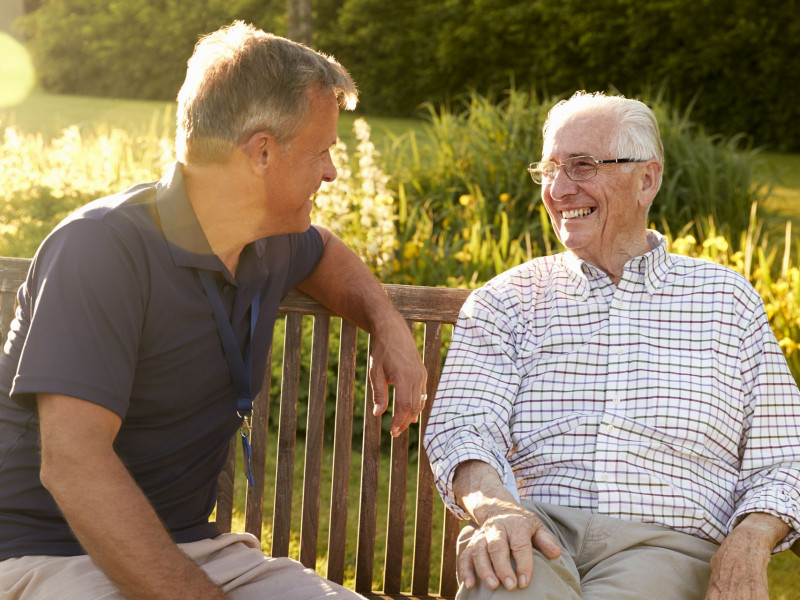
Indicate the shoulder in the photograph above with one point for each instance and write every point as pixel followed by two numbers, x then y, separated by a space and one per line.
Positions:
pixel 519 289
pixel 718 284
pixel 700 273
pixel 105 239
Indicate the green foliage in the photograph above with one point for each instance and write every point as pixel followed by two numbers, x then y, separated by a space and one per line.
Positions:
pixel 43 181
pixel 738 59
pixel 126 49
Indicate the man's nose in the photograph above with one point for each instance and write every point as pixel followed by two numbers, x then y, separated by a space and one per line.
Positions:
pixel 561 185
pixel 328 169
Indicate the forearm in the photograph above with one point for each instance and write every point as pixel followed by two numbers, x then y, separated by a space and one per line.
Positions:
pixel 119 529
pixel 107 511
pixel 763 530
pixel 480 491
pixel 345 285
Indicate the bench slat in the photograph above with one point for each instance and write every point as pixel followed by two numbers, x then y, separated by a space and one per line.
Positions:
pixel 415 303
pixel 396 516
pixel 258 459
pixel 452 526
pixel 368 505
pixel 421 568
pixel 342 441
pixel 287 434
pixel 315 433
pixel 225 490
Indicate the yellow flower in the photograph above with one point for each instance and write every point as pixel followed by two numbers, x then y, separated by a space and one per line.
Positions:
pixel 462 256
pixel 465 200
pixel 410 250
pixel 505 197
pixel 771 310
pixel 788 345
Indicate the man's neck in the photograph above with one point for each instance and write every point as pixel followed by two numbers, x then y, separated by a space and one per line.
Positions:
pixel 613 261
pixel 222 198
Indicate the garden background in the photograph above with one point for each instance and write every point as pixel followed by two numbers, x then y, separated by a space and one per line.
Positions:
pixel 432 188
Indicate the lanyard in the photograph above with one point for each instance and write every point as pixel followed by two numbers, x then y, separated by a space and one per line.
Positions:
pixel 240 366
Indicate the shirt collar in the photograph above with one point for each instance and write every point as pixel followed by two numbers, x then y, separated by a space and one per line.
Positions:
pixel 654 266
pixel 186 240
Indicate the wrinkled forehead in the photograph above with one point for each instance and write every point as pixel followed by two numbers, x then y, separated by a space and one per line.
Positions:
pixel 590 132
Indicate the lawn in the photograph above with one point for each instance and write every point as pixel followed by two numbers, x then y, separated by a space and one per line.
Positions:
pixel 48 114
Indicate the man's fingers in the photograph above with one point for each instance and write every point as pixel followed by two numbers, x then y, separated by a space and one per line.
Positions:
pixel 483 564
pixel 380 392
pixel 546 543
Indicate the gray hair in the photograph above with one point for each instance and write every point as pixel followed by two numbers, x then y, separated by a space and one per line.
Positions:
pixel 637 127
pixel 241 80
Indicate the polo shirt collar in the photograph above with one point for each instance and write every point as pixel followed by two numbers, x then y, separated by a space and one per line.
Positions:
pixel 655 266
pixel 185 238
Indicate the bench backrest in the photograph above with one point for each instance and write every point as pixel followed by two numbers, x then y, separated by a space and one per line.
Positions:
pixel 434 309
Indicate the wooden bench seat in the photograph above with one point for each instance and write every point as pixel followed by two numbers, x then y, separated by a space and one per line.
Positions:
pixel 435 309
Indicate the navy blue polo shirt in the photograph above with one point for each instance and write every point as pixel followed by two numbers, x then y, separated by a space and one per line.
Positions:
pixel 113 312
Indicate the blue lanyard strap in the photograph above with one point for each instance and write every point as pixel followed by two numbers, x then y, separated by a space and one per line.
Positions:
pixel 241 367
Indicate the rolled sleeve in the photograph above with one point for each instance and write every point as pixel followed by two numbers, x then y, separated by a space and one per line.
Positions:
pixel 770 469
pixel 471 417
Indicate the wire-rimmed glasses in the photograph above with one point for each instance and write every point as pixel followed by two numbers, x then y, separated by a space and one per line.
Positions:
pixel 577 168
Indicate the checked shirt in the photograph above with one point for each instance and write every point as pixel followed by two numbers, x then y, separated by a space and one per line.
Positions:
pixel 664 399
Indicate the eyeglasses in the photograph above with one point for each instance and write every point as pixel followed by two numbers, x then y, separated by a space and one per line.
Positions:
pixel 577 168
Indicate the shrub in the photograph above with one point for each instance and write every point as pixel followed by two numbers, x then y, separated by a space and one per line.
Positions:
pixel 42 182
pixel 468 209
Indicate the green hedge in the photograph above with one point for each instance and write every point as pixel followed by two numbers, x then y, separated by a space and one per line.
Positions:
pixel 740 59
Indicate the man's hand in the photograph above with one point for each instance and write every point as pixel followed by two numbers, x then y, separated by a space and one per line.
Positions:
pixel 511 532
pixel 344 284
pixel 506 530
pixel 739 567
pixel 394 359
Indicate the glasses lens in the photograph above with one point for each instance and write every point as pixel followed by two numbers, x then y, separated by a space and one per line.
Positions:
pixel 543 171
pixel 581 167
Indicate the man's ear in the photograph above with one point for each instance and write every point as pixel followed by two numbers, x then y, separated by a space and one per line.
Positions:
pixel 649 182
pixel 258 149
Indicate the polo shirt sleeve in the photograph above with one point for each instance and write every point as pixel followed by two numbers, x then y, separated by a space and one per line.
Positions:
pixel 471 415
pixel 84 301
pixel 305 252
pixel 769 480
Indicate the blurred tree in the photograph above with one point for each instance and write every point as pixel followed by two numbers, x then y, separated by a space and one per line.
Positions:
pixel 131 48
pixel 301 22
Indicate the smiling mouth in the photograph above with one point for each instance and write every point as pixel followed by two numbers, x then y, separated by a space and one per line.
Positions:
pixel 577 213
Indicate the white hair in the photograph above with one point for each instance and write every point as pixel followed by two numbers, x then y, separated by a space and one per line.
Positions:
pixel 637 129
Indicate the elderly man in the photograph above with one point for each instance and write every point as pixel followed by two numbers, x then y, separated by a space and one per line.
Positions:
pixel 142 332
pixel 616 421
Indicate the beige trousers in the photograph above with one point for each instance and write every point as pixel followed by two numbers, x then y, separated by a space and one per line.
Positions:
pixel 605 558
pixel 234 561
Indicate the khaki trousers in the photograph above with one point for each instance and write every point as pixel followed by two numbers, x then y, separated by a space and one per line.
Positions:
pixel 605 558
pixel 234 561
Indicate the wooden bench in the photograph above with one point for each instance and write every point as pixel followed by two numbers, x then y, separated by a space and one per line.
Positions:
pixel 434 309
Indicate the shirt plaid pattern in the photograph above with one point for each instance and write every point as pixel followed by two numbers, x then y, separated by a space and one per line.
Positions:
pixel 664 399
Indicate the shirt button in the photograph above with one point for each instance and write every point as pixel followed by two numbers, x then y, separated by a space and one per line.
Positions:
pixel 617 399
pixel 609 429
pixel 618 351
pixel 605 477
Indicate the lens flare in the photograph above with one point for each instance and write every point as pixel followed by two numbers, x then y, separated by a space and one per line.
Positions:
pixel 17 74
